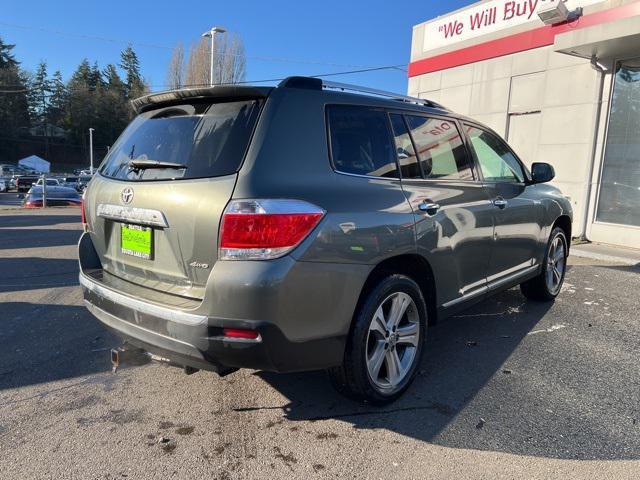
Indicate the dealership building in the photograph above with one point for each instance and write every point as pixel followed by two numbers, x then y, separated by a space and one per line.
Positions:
pixel 559 81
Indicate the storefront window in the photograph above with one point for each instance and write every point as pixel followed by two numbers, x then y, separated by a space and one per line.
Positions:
pixel 620 184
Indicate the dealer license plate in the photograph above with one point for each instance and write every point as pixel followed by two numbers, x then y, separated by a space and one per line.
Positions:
pixel 136 241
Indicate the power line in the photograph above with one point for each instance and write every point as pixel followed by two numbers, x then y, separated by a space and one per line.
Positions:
pixel 164 47
pixel 248 82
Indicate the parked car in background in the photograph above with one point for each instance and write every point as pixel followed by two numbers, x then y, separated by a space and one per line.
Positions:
pixel 3 185
pixel 71 181
pixel 56 196
pixel 299 228
pixel 83 181
pixel 24 182
pixel 51 182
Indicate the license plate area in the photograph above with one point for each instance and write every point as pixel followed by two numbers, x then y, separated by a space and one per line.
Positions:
pixel 136 241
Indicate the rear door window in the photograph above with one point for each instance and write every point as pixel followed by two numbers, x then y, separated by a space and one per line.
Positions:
pixel 441 150
pixel 361 141
pixel 209 139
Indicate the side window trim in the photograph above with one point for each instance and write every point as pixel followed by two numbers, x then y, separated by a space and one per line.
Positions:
pixel 413 144
pixel 525 170
pixel 463 135
pixel 415 147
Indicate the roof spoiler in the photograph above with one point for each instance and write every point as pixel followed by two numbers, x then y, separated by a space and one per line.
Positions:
pixel 152 100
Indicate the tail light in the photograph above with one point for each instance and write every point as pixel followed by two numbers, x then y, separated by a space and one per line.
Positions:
pixel 83 217
pixel 265 229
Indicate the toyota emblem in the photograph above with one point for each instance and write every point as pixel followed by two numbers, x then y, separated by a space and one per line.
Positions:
pixel 126 195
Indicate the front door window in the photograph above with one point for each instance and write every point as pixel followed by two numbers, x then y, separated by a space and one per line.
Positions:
pixel 497 163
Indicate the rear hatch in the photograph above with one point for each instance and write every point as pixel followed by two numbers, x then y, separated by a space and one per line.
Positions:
pixel 154 208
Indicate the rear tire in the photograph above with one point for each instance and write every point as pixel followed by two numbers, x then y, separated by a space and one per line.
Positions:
pixel 386 343
pixel 546 286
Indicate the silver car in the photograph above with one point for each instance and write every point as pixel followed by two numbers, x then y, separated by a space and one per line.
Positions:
pixel 310 226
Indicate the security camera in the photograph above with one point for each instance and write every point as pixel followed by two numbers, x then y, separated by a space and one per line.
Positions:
pixel 557 12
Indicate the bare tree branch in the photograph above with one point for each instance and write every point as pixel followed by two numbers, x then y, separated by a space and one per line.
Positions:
pixel 176 67
pixel 229 61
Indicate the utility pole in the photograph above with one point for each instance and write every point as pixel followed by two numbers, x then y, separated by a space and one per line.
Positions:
pixel 44 190
pixel 212 34
pixel 91 150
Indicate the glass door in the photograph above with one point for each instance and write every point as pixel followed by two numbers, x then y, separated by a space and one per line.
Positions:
pixel 619 199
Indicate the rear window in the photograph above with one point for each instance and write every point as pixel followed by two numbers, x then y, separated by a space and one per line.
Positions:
pixel 361 141
pixel 209 139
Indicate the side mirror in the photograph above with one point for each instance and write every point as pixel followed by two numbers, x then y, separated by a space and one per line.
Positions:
pixel 542 172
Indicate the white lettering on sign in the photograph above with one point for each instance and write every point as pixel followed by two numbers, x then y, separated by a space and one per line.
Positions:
pixel 487 17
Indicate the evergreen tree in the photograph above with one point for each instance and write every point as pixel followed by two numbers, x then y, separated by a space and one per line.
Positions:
pixel 133 79
pixel 91 98
pixel 95 77
pixel 112 80
pixel 7 59
pixel 55 110
pixel 81 78
pixel 80 104
pixel 14 107
pixel 39 91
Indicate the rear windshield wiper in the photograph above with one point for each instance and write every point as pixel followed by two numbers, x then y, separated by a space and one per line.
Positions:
pixel 146 164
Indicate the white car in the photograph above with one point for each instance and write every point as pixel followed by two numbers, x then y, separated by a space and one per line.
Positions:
pixel 3 185
pixel 51 182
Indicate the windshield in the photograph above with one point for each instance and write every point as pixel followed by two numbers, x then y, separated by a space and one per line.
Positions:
pixel 209 139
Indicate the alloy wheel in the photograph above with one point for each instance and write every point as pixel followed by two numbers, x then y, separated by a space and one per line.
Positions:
pixel 556 264
pixel 392 341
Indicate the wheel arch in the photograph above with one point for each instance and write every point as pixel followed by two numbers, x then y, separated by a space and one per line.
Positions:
pixel 564 222
pixel 413 266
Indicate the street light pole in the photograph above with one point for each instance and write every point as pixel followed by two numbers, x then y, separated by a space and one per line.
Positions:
pixel 212 34
pixel 91 151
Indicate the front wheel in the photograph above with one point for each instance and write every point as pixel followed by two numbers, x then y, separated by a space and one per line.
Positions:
pixel 386 342
pixel 547 285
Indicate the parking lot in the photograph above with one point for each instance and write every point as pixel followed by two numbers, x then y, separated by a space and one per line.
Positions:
pixel 509 389
pixel 9 200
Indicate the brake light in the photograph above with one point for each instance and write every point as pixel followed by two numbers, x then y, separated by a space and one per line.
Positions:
pixel 240 333
pixel 265 229
pixel 83 217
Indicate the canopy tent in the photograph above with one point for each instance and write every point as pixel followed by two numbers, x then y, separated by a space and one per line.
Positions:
pixel 36 163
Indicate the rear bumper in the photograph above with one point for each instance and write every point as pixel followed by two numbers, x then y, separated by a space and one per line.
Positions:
pixel 195 340
pixel 301 310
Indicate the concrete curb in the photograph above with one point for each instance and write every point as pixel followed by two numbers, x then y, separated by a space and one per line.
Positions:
pixel 576 252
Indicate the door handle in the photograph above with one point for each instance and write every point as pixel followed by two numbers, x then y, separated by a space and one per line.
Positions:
pixel 500 202
pixel 429 208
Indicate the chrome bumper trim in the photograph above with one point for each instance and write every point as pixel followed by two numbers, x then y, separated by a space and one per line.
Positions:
pixel 141 216
pixel 141 306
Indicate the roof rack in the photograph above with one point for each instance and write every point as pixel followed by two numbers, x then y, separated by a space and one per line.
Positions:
pixel 314 83
pixel 380 93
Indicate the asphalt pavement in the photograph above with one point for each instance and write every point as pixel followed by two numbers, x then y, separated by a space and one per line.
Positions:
pixel 509 389
pixel 9 200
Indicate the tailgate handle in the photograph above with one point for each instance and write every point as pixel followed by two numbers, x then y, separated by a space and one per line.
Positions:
pixel 138 216
pixel 429 208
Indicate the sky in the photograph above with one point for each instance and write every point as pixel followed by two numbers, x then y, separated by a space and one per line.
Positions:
pixel 281 37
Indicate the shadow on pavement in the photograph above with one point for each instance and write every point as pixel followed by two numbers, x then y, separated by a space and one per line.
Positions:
pixel 44 343
pixel 39 220
pixel 468 377
pixel 17 238
pixel 33 273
